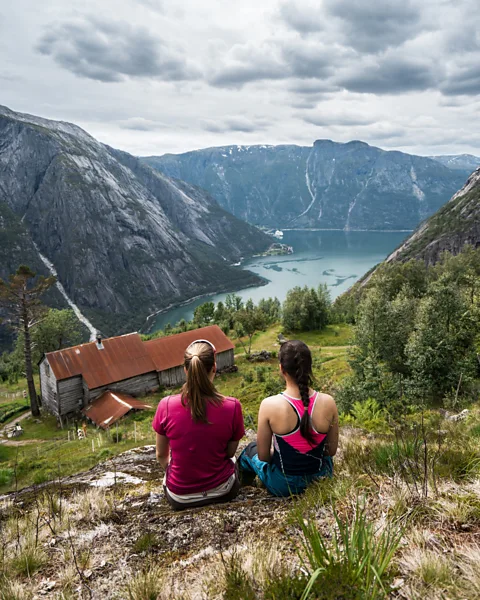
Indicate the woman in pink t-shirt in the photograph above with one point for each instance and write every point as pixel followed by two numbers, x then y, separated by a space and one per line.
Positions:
pixel 198 432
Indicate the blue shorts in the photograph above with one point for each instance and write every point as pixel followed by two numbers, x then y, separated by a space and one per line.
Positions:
pixel 276 482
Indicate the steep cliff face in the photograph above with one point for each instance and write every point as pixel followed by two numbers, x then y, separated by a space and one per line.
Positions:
pixel 336 186
pixel 457 223
pixel 124 239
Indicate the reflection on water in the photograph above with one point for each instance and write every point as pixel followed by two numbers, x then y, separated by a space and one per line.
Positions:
pixel 337 258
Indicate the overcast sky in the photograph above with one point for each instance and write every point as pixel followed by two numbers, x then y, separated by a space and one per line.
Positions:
pixel 156 76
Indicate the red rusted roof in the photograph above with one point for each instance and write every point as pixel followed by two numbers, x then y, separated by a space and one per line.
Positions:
pixel 121 358
pixel 168 352
pixel 110 407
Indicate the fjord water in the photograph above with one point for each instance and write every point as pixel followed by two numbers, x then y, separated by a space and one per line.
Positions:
pixel 337 258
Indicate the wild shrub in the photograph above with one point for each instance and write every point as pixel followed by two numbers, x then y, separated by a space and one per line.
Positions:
pixel 6 476
pixel 354 564
pixel 29 557
pixel 146 584
pixel 146 542
pixel 237 584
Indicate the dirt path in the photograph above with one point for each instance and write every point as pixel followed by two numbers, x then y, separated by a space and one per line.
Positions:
pixel 3 430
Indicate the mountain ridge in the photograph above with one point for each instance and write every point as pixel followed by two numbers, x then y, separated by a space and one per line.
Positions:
pixel 312 187
pixel 125 239
pixel 456 224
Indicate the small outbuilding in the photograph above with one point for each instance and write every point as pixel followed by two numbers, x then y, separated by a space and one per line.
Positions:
pixel 110 407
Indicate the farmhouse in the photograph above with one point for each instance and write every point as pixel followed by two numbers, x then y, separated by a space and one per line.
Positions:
pixel 72 378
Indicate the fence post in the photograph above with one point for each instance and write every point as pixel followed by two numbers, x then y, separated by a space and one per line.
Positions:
pixel 135 430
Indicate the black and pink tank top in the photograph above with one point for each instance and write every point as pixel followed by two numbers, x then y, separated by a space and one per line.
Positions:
pixel 293 454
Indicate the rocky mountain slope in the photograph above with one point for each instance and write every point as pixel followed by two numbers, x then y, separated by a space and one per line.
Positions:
pixel 457 223
pixel 462 162
pixel 329 185
pixel 124 239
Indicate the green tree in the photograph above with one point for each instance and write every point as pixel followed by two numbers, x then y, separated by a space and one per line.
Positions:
pixel 305 310
pixel 59 329
pixel 247 322
pixel 20 296
pixel 204 314
pixel 441 350
pixel 272 309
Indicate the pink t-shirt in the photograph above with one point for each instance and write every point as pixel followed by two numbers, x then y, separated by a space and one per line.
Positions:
pixel 199 459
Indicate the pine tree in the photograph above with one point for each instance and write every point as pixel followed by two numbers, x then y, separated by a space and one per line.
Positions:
pixel 20 296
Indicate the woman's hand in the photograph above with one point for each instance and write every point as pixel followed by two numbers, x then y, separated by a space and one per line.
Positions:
pixel 163 450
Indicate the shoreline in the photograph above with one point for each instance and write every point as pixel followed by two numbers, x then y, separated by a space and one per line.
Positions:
pixel 349 230
pixel 264 281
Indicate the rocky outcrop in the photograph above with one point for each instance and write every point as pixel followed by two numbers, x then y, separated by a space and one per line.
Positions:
pixel 457 223
pixel 124 239
pixel 329 185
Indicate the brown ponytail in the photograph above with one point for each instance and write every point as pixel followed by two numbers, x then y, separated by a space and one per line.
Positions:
pixel 296 360
pixel 199 361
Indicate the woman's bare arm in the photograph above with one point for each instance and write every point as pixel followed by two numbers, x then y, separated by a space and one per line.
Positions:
pixel 231 449
pixel 264 434
pixel 163 450
pixel 331 441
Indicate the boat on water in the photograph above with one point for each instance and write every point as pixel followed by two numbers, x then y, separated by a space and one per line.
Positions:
pixel 278 234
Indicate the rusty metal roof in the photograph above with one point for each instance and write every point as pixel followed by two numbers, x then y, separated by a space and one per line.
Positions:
pixel 110 407
pixel 168 352
pixel 121 358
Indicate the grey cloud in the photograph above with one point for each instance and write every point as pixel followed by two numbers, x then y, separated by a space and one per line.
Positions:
pixel 465 81
pixel 367 25
pixel 240 124
pixel 302 17
pixel 246 63
pixel 112 51
pixel 390 75
pixel 328 118
pixel 372 26
pixel 141 124
pixel 309 60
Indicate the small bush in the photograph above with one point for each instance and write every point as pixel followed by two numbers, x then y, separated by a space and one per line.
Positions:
pixel 6 476
pixel 116 436
pixel 29 558
pixel 104 454
pixel 354 564
pixel 43 476
pixel 260 374
pixel 145 543
pixel 237 584
pixel 248 377
pixel 146 585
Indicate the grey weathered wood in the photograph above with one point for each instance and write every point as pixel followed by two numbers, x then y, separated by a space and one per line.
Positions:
pixel 135 386
pixel 70 395
pixel 48 386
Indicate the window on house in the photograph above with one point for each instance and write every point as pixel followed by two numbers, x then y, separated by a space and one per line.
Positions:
pixel 54 396
pixel 47 369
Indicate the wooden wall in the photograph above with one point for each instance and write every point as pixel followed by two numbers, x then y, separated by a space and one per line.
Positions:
pixel 70 393
pixel 176 376
pixel 225 359
pixel 135 386
pixel 48 386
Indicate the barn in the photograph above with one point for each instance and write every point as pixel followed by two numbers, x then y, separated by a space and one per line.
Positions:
pixel 72 378
pixel 167 353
